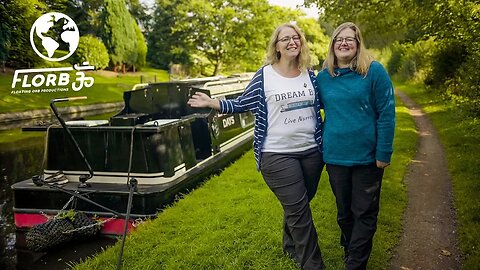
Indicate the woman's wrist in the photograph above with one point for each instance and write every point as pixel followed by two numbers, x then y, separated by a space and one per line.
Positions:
pixel 214 104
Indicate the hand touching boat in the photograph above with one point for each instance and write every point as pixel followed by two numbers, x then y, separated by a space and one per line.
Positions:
pixel 202 100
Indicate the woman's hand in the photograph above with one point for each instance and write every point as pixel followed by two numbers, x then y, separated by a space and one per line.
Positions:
pixel 202 100
pixel 381 164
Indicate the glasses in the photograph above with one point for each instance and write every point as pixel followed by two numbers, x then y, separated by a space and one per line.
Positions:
pixel 349 40
pixel 288 38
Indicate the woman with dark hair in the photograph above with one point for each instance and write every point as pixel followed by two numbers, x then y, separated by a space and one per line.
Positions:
pixel 358 100
pixel 287 136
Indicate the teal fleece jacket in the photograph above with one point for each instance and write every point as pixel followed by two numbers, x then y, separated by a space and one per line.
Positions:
pixel 359 116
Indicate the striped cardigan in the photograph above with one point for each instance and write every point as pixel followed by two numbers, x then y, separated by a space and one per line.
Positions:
pixel 253 99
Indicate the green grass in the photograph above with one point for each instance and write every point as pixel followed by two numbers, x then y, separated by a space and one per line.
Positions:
pixel 460 135
pixel 105 89
pixel 234 221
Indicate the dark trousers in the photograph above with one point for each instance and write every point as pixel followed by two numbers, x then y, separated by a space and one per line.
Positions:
pixel 293 178
pixel 357 194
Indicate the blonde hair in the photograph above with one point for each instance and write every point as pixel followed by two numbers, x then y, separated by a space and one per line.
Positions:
pixel 360 63
pixel 273 56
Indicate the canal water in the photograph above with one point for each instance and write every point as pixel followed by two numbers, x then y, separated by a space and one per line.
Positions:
pixel 21 157
pixel 19 160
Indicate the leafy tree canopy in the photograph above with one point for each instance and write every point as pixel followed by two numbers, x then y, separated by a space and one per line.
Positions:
pixel 317 40
pixel 215 33
pixel 17 18
pixel 224 32
pixel 118 33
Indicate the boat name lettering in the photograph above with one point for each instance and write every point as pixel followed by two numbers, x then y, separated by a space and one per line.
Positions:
pixel 228 121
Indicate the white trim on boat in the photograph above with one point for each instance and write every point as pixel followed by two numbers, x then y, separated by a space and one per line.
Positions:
pixel 121 177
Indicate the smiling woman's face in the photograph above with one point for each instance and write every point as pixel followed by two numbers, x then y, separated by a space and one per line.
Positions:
pixel 345 47
pixel 288 43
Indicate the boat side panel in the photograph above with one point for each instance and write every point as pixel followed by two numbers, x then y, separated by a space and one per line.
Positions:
pixel 108 150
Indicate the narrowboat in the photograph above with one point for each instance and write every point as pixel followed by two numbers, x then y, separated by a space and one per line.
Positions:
pixel 139 160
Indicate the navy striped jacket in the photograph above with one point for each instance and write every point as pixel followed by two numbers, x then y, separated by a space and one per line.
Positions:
pixel 253 99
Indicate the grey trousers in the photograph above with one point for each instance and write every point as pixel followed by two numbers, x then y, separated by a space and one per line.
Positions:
pixel 293 178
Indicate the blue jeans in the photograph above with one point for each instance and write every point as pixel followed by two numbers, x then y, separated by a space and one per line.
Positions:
pixel 293 178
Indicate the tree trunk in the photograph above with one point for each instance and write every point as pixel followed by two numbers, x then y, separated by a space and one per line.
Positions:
pixel 218 64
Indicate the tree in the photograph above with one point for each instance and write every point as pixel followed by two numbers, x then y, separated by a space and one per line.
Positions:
pixel 452 64
pixel 382 21
pixel 85 13
pixel 141 48
pixel 118 34
pixel 166 45
pixel 212 33
pixel 140 14
pixel 92 50
pixel 317 40
pixel 4 43
pixel 226 31
pixel 17 18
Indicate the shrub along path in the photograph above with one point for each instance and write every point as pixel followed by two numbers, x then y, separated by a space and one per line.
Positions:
pixel 429 240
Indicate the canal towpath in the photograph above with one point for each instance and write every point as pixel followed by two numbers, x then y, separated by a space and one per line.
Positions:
pixel 429 239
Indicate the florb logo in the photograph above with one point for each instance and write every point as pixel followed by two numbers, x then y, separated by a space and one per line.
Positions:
pixel 54 37
pixel 54 32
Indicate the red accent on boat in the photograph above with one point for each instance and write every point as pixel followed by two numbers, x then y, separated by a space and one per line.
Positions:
pixel 112 226
pixel 115 226
pixel 28 220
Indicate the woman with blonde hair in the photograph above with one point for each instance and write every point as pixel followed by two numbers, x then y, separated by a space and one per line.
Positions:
pixel 358 100
pixel 287 136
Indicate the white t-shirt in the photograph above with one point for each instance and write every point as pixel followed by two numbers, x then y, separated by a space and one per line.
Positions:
pixel 291 113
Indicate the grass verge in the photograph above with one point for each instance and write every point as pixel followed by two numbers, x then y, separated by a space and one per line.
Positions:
pixel 234 221
pixel 460 135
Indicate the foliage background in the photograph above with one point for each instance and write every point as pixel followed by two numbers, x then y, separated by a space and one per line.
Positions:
pixel 433 42
pixel 201 38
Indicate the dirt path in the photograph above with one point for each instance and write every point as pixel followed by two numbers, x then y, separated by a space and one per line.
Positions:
pixel 429 240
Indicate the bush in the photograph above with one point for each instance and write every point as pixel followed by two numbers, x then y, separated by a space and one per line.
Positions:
pixel 92 50
pixel 381 55
pixel 465 86
pixel 395 61
pixel 411 61
pixel 446 60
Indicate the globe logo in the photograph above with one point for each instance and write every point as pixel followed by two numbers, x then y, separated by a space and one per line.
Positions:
pixel 54 36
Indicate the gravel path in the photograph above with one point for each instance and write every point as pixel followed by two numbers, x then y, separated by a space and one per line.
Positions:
pixel 429 240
